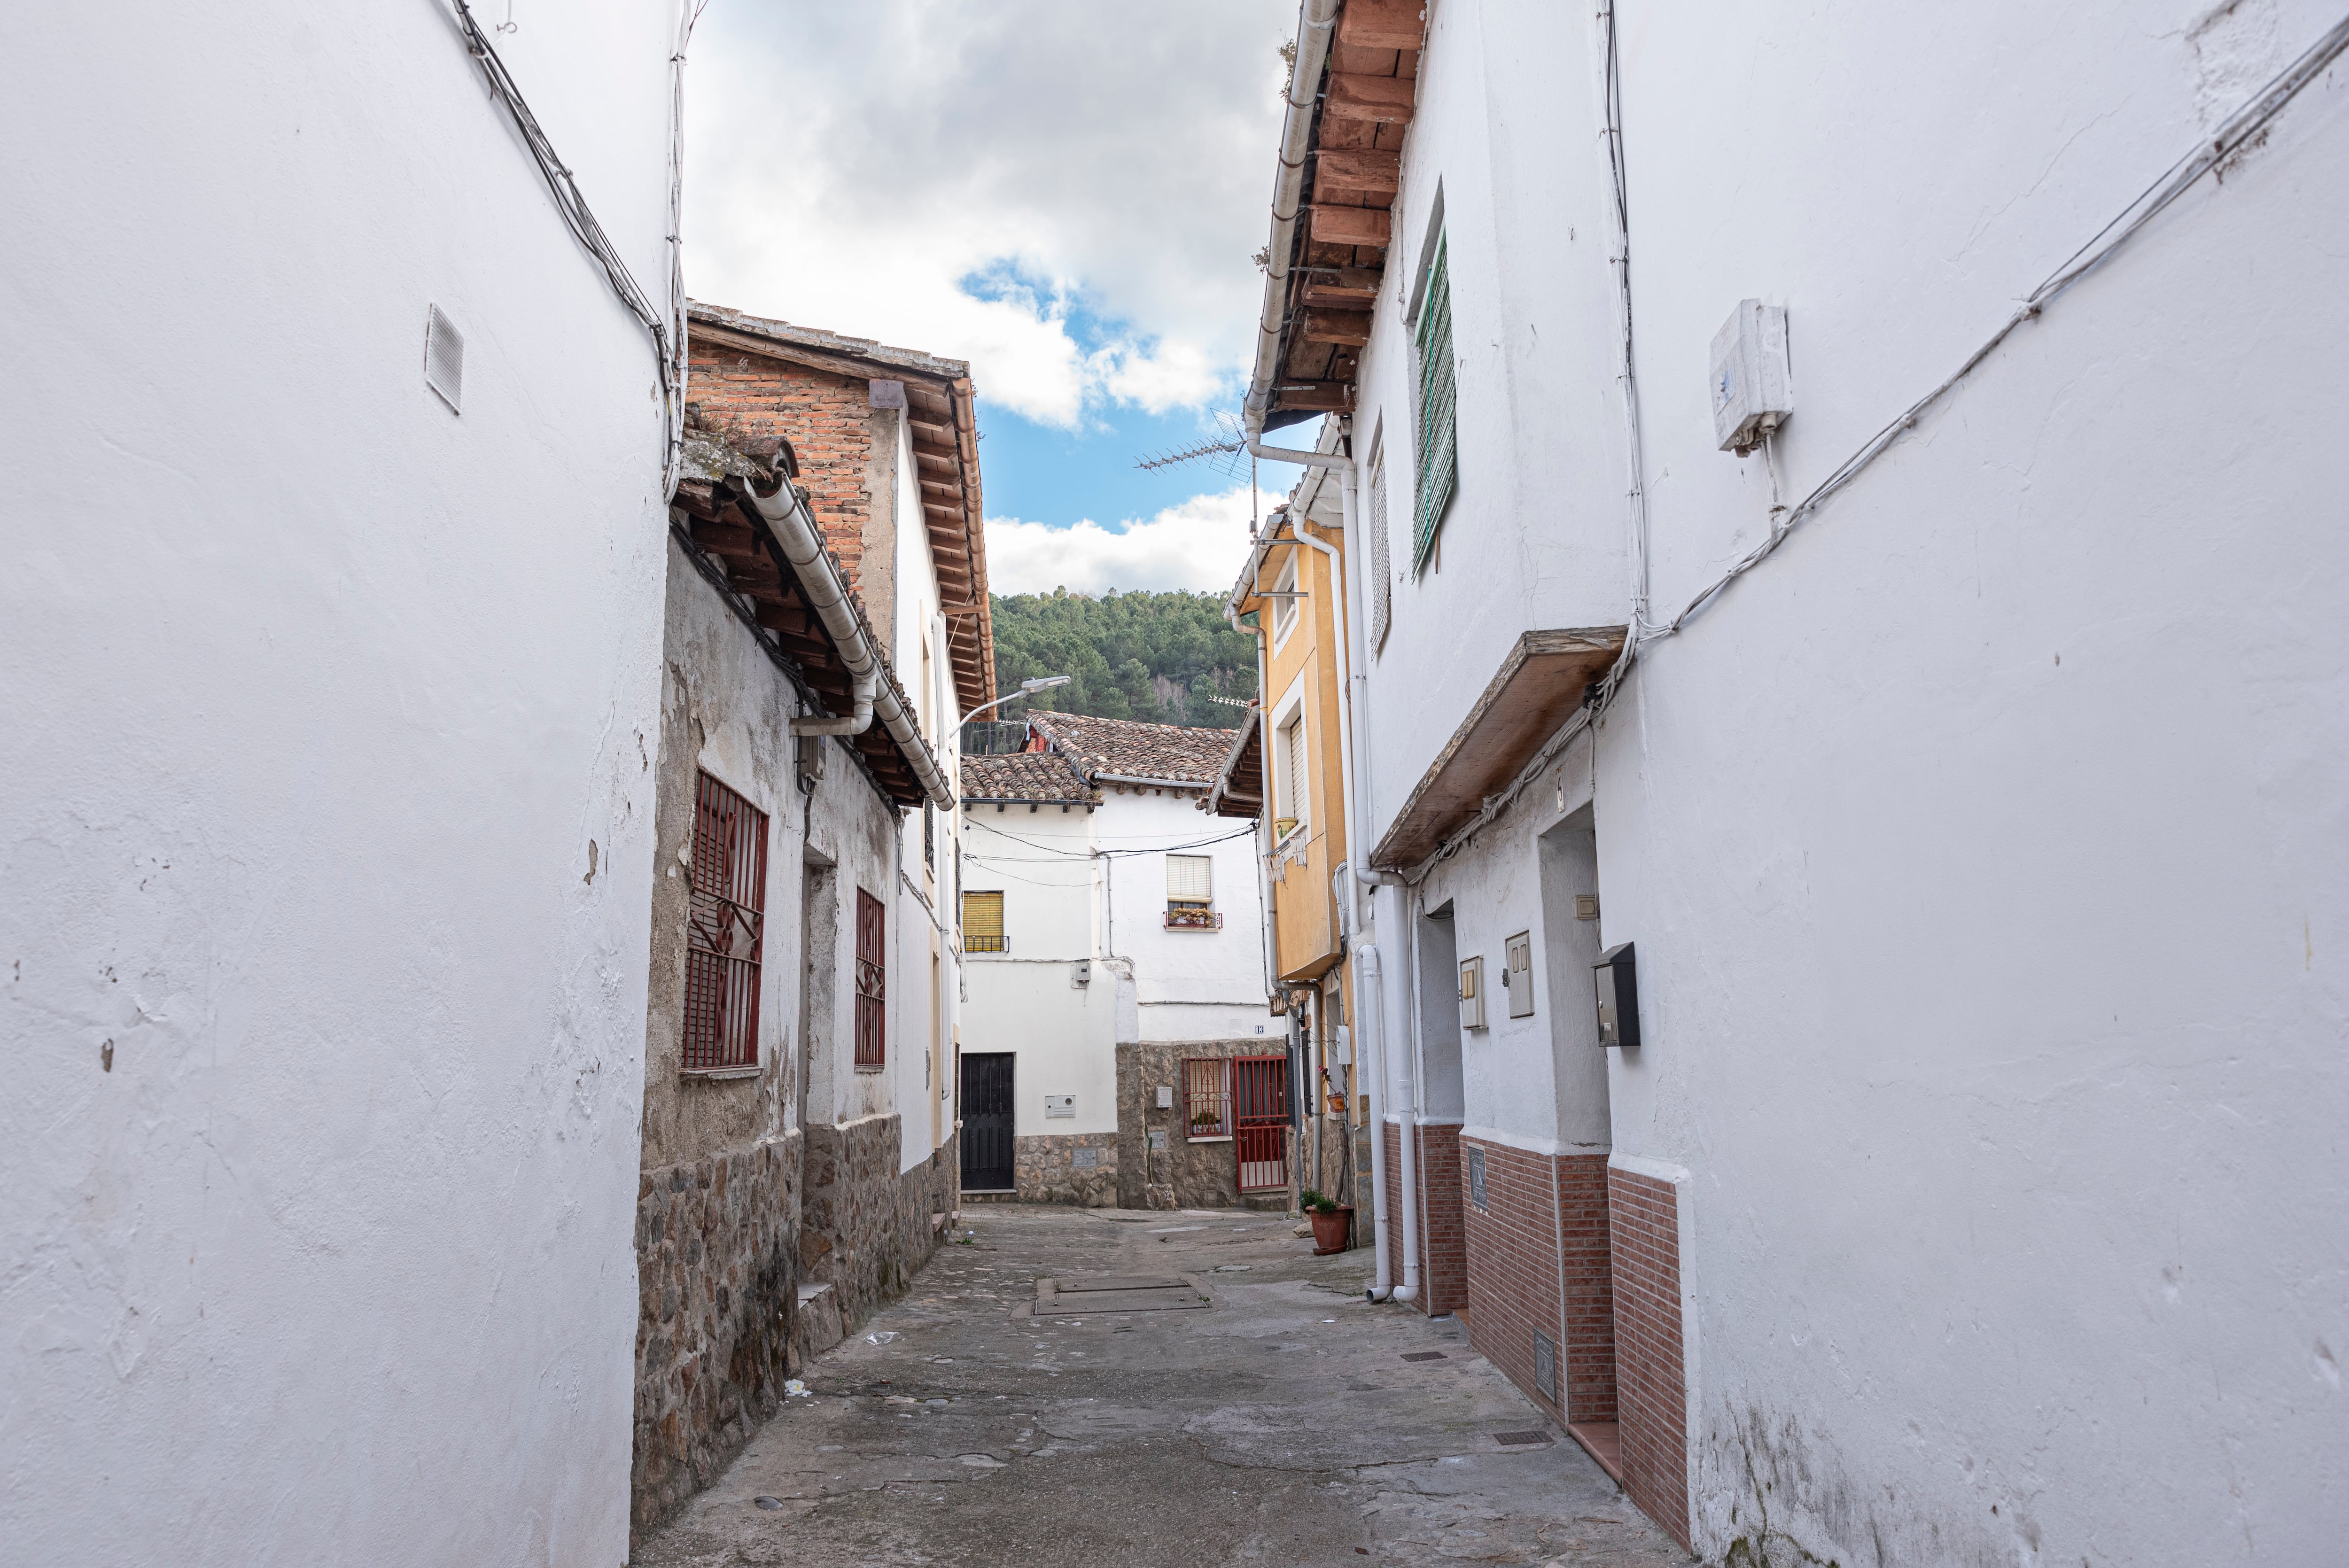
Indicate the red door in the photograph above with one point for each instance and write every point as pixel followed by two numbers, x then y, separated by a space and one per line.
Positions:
pixel 1260 1118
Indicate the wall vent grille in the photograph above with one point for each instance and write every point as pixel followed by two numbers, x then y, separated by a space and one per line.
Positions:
pixel 444 358
pixel 1545 1366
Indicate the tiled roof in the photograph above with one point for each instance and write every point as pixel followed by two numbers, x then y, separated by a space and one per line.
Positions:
pixel 1121 747
pixel 1023 775
pixel 912 360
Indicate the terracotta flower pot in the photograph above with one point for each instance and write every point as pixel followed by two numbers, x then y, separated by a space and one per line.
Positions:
pixel 1332 1232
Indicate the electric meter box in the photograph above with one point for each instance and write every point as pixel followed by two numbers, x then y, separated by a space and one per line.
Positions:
pixel 1619 998
pixel 1472 993
pixel 1752 377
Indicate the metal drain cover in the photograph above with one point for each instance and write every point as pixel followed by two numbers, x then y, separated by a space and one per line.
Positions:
pixel 1115 1294
pixel 1514 1439
pixel 1424 1356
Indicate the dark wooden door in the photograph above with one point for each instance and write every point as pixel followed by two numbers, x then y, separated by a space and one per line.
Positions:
pixel 987 1123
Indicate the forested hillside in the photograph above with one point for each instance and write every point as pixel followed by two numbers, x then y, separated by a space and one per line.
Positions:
pixel 1154 657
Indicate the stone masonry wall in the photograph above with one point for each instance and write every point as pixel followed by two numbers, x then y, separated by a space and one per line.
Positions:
pixel 716 1239
pixel 1078 1168
pixel 1181 1174
pixel 865 1229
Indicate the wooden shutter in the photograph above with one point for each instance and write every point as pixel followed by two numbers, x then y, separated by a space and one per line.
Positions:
pixel 1439 464
pixel 1382 573
pixel 872 982
pixel 1295 749
pixel 982 923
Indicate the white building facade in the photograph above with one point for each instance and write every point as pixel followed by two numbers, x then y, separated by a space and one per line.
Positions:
pixel 326 796
pixel 1968 1193
pixel 1113 933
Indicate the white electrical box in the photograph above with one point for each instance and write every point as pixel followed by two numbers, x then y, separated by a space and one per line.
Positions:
pixel 1752 377
pixel 1519 976
pixel 1166 1097
pixel 1472 993
pixel 1341 1047
pixel 1081 972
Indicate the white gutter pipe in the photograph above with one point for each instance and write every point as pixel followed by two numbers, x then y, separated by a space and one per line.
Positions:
pixel 1370 1015
pixel 1408 1091
pixel 1266 911
pixel 801 542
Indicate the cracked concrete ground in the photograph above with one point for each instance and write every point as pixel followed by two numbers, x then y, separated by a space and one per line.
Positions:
pixel 1279 1425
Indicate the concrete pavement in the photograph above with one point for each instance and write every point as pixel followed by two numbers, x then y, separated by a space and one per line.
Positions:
pixel 1280 1425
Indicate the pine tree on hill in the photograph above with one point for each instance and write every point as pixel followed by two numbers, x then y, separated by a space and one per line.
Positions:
pixel 1152 656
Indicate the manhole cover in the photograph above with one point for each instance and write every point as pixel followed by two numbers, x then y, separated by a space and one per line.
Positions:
pixel 1424 1356
pixel 1115 1294
pixel 1514 1439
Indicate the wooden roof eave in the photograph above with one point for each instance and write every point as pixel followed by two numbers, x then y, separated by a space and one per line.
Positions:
pixel 1539 685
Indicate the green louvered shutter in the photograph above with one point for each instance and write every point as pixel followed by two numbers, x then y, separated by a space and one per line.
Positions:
pixel 1439 454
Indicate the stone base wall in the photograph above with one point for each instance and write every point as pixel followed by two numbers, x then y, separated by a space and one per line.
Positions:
pixel 866 1227
pixel 1174 1173
pixel 1078 1167
pixel 715 1245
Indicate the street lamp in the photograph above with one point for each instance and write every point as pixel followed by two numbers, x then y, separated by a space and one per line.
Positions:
pixel 1026 689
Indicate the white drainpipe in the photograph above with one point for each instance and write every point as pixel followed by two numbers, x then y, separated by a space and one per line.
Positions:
pixel 1369 1017
pixel 803 545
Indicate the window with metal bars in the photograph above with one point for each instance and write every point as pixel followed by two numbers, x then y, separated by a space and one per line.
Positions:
pixel 1382 573
pixel 1439 457
pixel 725 927
pixel 1207 1097
pixel 872 982
pixel 982 923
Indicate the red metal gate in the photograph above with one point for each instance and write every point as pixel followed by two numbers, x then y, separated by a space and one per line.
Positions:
pixel 872 982
pixel 1260 1118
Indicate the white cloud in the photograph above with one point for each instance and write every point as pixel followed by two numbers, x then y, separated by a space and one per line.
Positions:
pixel 1200 544
pixel 1102 173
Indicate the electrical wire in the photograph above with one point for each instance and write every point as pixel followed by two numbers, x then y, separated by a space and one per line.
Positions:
pixel 666 327
pixel 2238 129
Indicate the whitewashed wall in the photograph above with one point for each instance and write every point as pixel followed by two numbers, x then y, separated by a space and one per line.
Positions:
pixel 319 697
pixel 1025 999
pixel 1980 847
pixel 1187 984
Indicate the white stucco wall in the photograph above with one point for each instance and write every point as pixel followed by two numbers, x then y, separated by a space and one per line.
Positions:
pixel 1025 998
pixel 319 696
pixel 1981 847
pixel 1187 984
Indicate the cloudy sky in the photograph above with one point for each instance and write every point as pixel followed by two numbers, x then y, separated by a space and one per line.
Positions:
pixel 1065 195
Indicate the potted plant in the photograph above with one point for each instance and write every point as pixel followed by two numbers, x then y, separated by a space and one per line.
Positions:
pixel 1333 1225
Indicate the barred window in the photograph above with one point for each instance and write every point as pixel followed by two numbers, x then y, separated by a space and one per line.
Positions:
pixel 1207 1096
pixel 982 923
pixel 1439 458
pixel 725 926
pixel 872 982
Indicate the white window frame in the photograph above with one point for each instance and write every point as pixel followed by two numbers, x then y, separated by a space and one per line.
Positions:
pixel 1285 617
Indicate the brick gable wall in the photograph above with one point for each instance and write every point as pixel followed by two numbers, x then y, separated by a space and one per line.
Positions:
pixel 1651 1385
pixel 826 417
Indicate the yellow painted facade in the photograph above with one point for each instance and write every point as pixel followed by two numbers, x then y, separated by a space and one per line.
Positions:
pixel 1302 745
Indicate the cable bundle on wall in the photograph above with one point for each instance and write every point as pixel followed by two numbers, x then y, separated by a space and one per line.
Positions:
pixel 667 327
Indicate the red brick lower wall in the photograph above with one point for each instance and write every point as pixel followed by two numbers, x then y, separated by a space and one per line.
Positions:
pixel 1589 1276
pixel 1443 1238
pixel 1652 1387
pixel 1537 1250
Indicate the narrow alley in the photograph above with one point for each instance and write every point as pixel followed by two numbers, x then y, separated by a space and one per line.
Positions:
pixel 1287 1421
